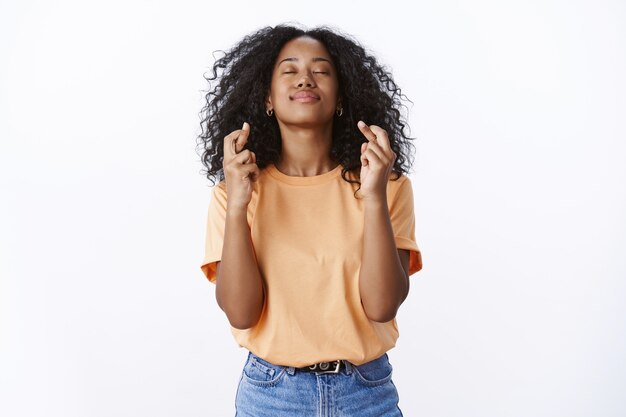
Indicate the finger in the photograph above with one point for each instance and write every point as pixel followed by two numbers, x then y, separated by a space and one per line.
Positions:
pixel 366 131
pixel 241 140
pixel 364 160
pixel 229 144
pixel 244 157
pixel 253 171
pixel 372 156
pixel 375 147
pixel 382 139
pixel 249 172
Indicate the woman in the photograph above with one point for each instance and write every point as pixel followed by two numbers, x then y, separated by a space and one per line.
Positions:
pixel 310 232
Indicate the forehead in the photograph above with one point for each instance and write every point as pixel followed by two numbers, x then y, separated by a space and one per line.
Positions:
pixel 303 49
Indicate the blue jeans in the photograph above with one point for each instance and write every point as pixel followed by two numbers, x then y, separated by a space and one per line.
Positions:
pixel 272 390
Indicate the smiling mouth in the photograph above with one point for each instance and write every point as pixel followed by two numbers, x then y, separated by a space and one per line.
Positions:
pixel 305 99
pixel 305 96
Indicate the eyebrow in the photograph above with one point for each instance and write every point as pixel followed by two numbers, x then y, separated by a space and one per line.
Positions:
pixel 316 59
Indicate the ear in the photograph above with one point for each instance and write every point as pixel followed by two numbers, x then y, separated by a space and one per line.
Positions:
pixel 268 102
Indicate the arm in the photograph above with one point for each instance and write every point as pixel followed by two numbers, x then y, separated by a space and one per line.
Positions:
pixel 383 279
pixel 239 286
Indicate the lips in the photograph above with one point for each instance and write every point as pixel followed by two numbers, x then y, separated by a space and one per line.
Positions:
pixel 305 95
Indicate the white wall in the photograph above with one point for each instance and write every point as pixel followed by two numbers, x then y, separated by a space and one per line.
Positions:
pixel 519 187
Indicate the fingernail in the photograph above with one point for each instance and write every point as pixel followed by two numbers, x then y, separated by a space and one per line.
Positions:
pixel 361 123
pixel 244 125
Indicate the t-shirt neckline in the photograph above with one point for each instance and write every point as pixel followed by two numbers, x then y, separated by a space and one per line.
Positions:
pixel 312 180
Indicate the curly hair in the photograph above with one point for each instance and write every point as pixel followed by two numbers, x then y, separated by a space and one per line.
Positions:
pixel 366 89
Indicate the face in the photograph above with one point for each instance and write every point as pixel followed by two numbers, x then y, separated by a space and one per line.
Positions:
pixel 304 87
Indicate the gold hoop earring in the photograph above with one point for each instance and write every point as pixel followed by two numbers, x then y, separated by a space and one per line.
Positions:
pixel 269 112
pixel 339 111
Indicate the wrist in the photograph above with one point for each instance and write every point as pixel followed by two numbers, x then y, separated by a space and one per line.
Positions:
pixel 375 201
pixel 236 210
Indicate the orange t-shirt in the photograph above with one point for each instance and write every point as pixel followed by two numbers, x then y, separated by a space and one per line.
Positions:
pixel 307 236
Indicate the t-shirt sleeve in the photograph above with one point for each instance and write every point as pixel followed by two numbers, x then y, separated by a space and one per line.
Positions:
pixel 403 223
pixel 216 222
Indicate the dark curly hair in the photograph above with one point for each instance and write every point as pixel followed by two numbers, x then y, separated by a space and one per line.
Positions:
pixel 366 89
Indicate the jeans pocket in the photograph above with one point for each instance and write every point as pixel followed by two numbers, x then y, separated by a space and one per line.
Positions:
pixel 261 373
pixel 374 373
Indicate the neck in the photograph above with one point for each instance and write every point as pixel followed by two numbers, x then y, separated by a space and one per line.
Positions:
pixel 305 152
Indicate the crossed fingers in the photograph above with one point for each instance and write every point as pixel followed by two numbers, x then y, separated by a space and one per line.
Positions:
pixel 235 141
pixel 378 142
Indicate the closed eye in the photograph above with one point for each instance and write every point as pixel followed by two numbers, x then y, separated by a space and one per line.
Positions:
pixel 315 72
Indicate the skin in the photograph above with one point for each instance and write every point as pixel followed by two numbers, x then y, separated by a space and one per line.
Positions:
pixel 305 128
pixel 306 132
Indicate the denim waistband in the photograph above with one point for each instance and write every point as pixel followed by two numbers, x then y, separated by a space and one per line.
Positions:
pixel 349 366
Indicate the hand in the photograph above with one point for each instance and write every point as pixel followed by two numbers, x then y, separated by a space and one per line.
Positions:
pixel 240 168
pixel 377 160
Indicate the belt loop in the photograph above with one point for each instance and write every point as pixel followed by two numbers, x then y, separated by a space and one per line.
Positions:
pixel 348 367
pixel 290 370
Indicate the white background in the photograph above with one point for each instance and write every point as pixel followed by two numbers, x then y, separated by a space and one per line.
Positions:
pixel 519 197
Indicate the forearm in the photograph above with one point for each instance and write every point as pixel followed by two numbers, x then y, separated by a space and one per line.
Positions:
pixel 239 286
pixel 383 283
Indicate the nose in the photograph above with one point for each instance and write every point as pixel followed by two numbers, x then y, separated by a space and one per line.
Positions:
pixel 305 80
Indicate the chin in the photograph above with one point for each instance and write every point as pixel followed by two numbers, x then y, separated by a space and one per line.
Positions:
pixel 306 119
